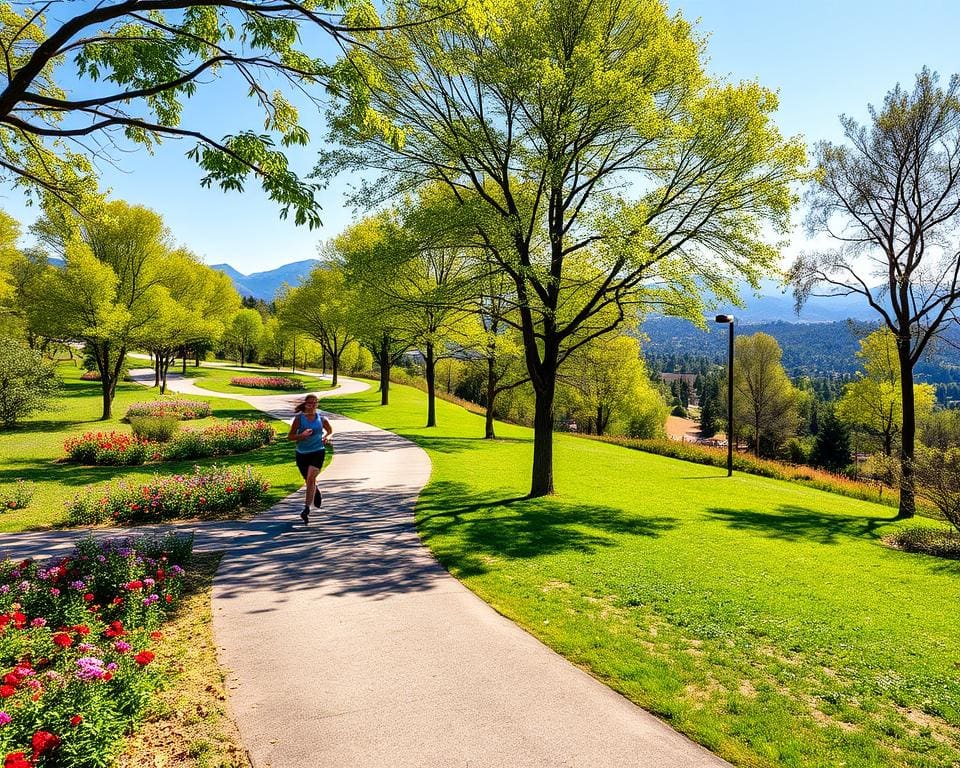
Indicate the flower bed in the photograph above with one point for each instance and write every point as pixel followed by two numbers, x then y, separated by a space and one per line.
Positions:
pixel 268 382
pixel 184 410
pixel 209 492
pixel 114 449
pixel 122 449
pixel 90 376
pixel 76 648
pixel 17 495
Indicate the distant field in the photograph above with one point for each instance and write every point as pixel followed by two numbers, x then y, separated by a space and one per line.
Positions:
pixel 764 619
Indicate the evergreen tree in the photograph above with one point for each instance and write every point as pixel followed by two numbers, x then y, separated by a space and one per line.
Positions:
pixel 831 449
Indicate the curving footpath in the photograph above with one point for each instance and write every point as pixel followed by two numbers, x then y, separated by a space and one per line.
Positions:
pixel 347 645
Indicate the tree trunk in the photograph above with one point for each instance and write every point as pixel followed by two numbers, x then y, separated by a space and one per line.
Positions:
pixel 908 502
pixel 431 372
pixel 183 370
pixel 541 483
pixel 196 359
pixel 385 370
pixel 601 423
pixel 107 399
pixel 335 366
pixel 489 433
pixel 156 371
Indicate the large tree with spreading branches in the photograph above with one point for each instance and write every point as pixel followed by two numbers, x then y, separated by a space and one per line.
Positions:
pixel 890 199
pixel 605 168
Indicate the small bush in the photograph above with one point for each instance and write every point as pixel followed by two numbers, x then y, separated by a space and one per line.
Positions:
pixel 208 492
pixel 939 542
pixel 268 382
pixel 184 410
pixel 90 376
pixel 155 428
pixel 26 381
pixel 114 449
pixel 679 410
pixel 16 495
pixel 219 440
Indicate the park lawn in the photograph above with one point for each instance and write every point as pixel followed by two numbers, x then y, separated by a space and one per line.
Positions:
pixel 30 451
pixel 218 380
pixel 764 619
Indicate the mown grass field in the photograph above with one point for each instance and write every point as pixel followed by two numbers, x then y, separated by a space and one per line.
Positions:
pixel 764 619
pixel 32 449
pixel 218 379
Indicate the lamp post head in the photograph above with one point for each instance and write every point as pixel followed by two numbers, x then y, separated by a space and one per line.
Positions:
pixel 723 319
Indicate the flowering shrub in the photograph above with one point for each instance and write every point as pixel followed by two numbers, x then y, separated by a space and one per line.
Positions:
pixel 76 648
pixel 208 492
pixel 18 495
pixel 219 440
pixel 121 449
pixel 181 409
pixel 115 449
pixel 268 382
pixel 90 376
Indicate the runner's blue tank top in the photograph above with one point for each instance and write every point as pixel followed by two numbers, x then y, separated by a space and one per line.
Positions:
pixel 315 441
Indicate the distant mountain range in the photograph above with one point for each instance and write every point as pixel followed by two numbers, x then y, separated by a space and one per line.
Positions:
pixel 264 285
pixel 774 303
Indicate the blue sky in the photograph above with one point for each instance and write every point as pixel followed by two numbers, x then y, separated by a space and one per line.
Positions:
pixel 825 58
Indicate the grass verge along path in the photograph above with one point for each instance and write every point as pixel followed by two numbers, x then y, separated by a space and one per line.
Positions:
pixel 764 619
pixel 31 450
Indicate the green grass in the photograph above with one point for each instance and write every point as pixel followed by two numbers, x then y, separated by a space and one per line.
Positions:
pixel 31 450
pixel 764 619
pixel 218 380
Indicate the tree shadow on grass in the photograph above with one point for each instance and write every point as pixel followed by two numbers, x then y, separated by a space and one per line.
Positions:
pixel 471 527
pixel 793 523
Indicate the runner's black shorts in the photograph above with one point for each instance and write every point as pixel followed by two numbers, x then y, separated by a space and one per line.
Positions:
pixel 312 459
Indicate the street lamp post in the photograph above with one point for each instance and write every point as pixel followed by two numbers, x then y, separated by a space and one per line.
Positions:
pixel 728 319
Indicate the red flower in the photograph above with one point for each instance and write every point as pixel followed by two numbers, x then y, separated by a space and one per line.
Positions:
pixel 76 720
pixel 107 676
pixel 134 585
pixel 6 691
pixel 11 679
pixel 114 630
pixel 43 742
pixel 156 635
pixel 169 599
pixel 19 620
pixel 16 760
pixel 161 574
pixel 88 596
pixel 81 629
pixel 144 657
pixel 62 639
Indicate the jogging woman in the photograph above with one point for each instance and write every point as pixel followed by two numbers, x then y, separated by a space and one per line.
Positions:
pixel 310 431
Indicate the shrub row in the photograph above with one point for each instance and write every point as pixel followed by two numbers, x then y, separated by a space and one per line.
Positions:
pixel 122 449
pixel 183 410
pixel 268 382
pixel 939 542
pixel 209 492
pixel 717 457
pixel 16 495
pixel 76 648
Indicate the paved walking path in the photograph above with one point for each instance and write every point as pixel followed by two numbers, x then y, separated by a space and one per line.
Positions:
pixel 346 644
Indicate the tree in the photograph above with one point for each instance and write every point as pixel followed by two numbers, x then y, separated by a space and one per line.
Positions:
pixel 874 402
pixel 606 374
pixel 713 402
pixel 937 474
pixel 323 307
pixel 542 119
pixel 764 400
pixel 831 447
pixel 890 197
pixel 110 288
pixel 245 332
pixel 136 64
pixel 26 381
